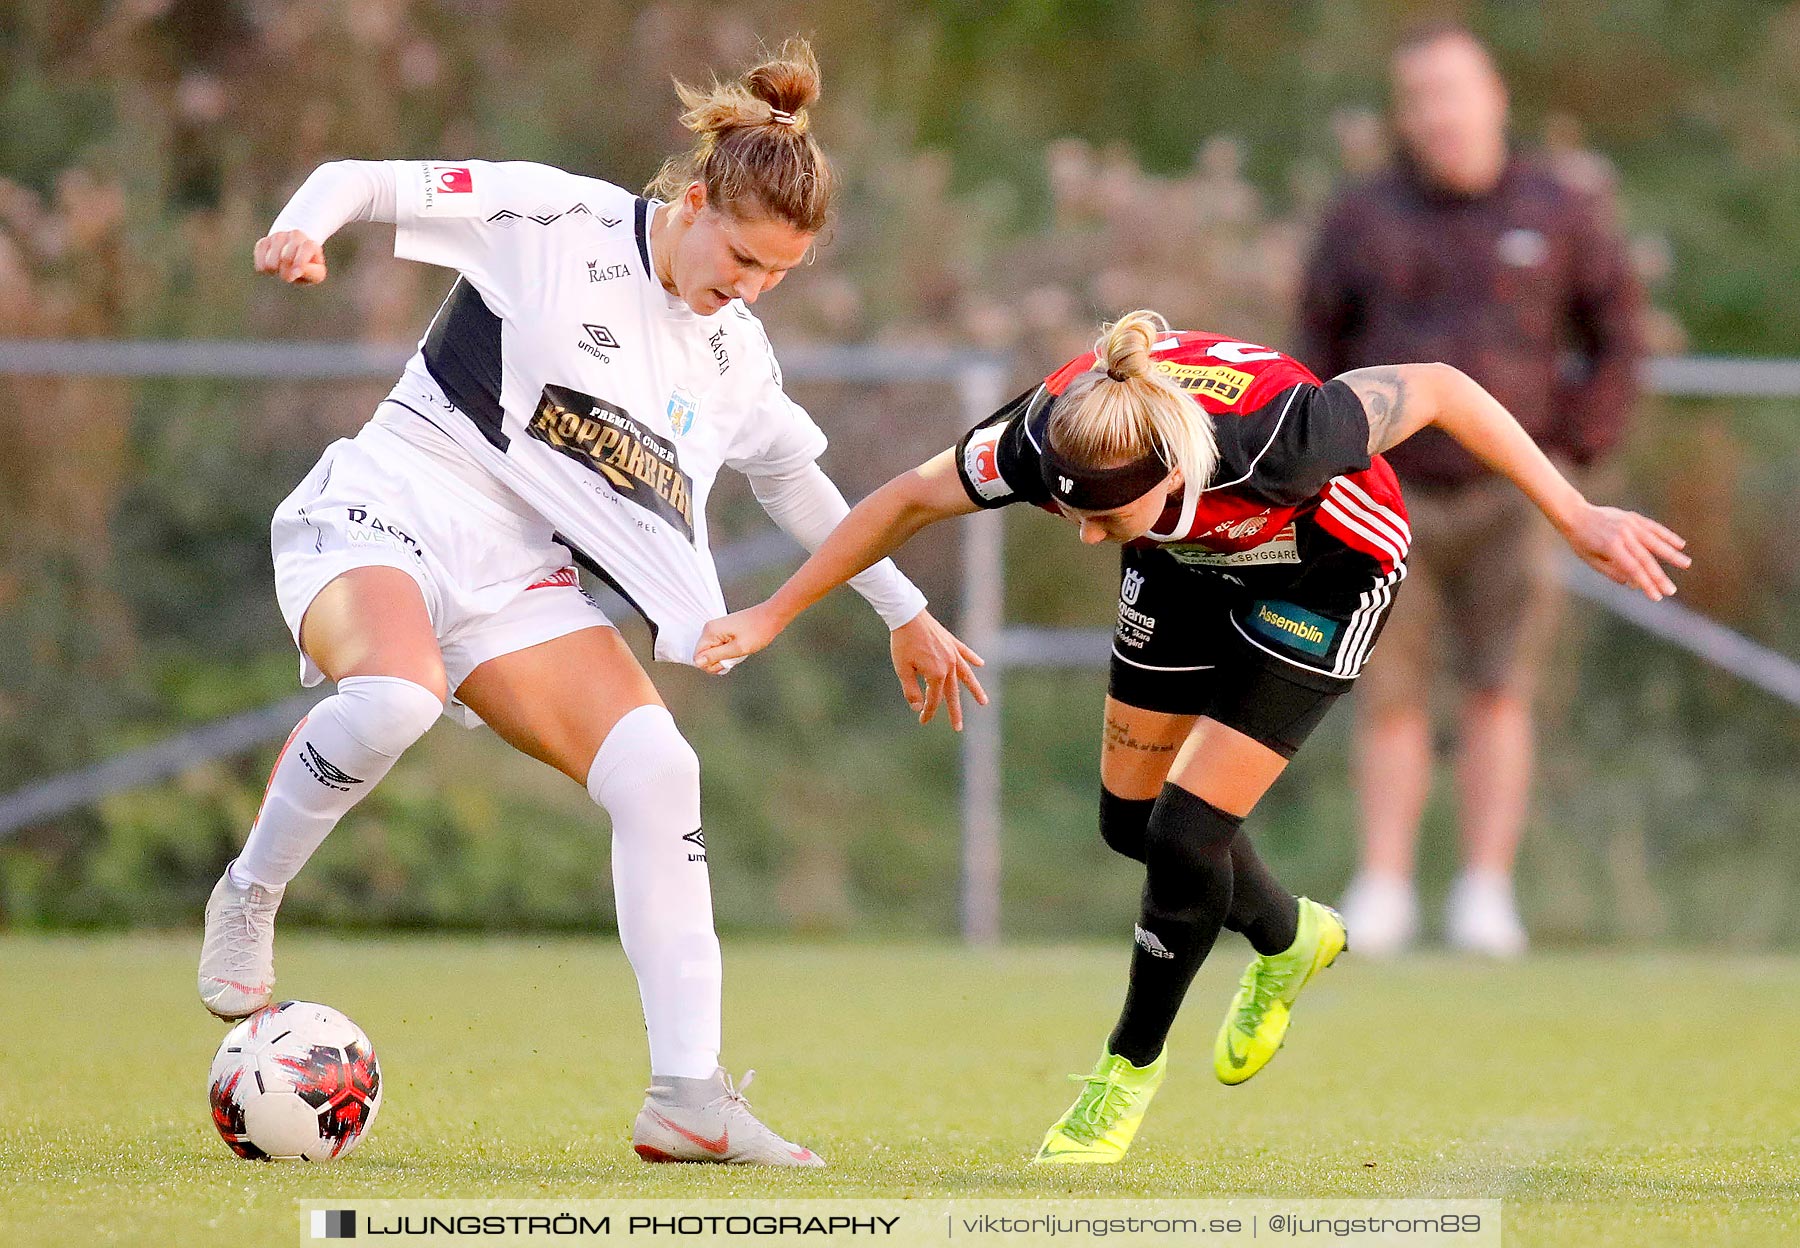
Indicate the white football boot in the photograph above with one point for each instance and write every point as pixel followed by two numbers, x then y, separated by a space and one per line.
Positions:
pixel 709 1120
pixel 237 955
pixel 1482 917
pixel 1381 912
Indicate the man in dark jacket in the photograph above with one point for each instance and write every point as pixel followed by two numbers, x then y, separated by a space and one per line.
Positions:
pixel 1468 252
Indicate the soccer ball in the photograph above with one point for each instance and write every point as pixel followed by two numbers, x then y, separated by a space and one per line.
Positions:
pixel 295 1081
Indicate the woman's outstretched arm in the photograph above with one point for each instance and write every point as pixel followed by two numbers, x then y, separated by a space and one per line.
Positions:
pixel 874 529
pixel 1401 399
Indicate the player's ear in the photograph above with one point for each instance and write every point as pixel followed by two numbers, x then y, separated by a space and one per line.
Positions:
pixel 693 200
pixel 1175 479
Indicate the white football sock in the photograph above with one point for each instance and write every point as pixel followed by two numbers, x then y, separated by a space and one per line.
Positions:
pixel 647 778
pixel 334 757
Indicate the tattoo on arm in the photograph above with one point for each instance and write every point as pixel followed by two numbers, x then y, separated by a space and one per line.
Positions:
pixel 1383 394
pixel 1118 737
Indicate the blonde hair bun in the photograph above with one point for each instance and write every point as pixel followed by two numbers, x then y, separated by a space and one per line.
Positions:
pixel 1125 408
pixel 1123 349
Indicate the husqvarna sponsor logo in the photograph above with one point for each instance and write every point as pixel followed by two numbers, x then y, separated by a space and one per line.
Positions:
pixel 1130 586
pixel 1135 627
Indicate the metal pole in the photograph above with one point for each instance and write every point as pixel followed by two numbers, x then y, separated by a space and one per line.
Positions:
pixel 981 391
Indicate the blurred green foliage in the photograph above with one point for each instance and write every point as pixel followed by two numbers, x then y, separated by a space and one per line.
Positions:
pixel 1013 170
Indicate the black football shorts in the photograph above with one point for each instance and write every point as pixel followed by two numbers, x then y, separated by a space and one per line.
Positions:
pixel 1267 662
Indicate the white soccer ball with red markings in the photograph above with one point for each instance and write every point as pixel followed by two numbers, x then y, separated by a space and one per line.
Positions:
pixel 295 1081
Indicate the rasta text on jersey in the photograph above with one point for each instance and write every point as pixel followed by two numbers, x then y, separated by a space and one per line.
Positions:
pixel 637 463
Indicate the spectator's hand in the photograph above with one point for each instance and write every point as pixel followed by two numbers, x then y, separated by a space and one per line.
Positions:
pixel 933 666
pixel 1629 548
pixel 291 256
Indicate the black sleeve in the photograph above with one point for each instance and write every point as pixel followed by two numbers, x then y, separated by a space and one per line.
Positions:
pixel 997 461
pixel 1303 439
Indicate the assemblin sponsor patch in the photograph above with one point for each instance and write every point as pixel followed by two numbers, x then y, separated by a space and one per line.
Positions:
pixel 1292 625
pixel 641 465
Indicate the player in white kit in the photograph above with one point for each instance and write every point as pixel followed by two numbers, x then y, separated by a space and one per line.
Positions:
pixel 572 402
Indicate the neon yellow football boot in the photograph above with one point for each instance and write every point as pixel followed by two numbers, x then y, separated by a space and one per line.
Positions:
pixel 1101 1123
pixel 1258 1019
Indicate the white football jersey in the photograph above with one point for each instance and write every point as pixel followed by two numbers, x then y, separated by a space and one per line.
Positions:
pixel 564 369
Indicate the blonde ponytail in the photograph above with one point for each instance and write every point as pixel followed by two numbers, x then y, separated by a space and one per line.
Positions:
pixel 754 154
pixel 1125 408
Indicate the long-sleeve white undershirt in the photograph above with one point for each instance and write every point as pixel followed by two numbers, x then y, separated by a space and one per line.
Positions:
pixel 340 192
pixel 808 507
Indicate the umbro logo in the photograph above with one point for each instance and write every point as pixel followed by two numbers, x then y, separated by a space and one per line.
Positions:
pixel 609 222
pixel 598 336
pixel 325 771
pixel 697 837
pixel 506 216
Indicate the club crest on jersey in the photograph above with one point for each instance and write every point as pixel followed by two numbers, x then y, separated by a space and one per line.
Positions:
pixel 639 465
pixel 1237 530
pixel 683 408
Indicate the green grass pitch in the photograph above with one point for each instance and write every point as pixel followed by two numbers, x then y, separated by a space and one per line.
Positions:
pixel 1639 1101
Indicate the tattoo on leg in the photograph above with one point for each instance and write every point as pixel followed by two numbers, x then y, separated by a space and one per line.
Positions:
pixel 1118 737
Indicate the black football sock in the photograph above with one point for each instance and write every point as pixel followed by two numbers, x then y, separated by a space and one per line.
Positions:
pixel 1261 908
pixel 1124 822
pixel 1187 893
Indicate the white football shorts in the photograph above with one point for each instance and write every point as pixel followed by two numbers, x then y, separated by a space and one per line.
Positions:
pixel 494 578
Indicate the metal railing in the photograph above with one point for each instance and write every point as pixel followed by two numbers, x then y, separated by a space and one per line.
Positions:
pixel 980 383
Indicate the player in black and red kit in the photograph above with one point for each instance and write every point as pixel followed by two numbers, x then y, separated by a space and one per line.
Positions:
pixel 1264 541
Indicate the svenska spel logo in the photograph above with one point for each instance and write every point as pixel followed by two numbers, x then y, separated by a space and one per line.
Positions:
pixel 334 1224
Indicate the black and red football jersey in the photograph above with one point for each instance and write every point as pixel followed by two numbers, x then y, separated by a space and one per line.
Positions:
pixel 1295 483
